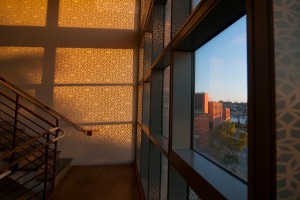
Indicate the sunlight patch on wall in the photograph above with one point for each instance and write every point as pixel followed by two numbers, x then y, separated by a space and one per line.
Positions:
pixel 23 12
pixel 22 65
pixel 86 104
pixel 106 14
pixel 92 66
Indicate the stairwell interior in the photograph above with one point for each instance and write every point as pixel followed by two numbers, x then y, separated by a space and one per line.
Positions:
pixel 106 87
pixel 79 59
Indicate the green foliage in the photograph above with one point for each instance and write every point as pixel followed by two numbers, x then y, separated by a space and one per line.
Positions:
pixel 226 142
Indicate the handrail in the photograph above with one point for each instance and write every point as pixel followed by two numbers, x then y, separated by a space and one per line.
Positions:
pixel 25 108
pixel 26 144
pixel 29 142
pixel 57 138
pixel 5 174
pixel 41 105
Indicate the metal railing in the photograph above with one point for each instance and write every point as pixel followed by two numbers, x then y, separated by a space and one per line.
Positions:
pixel 42 106
pixel 29 131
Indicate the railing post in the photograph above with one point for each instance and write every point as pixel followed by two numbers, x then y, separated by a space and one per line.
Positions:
pixel 46 166
pixel 15 128
pixel 55 152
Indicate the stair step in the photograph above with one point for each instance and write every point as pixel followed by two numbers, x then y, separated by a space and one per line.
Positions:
pixel 20 139
pixel 6 125
pixel 10 189
pixel 36 162
pixel 63 165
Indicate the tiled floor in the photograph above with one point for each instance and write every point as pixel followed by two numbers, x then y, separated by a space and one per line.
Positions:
pixel 113 182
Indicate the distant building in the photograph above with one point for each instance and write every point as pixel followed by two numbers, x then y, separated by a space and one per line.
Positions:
pixel 201 131
pixel 226 114
pixel 201 103
pixel 215 114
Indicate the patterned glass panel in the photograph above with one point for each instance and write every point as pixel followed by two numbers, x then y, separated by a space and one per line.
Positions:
pixel 138 147
pixel 287 70
pixel 112 14
pixel 23 12
pixel 167 29
pixel 156 101
pixel 82 66
pixel 94 103
pixel 22 65
pixel 181 11
pixel 141 64
pixel 143 10
pixel 148 52
pixel 140 104
pixel 158 30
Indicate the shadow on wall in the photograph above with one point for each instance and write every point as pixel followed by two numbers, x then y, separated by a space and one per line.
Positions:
pixel 22 66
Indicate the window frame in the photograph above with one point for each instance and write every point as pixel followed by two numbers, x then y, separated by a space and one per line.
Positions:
pixel 261 89
pixel 193 109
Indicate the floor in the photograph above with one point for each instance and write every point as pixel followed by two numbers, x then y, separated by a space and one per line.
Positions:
pixel 117 182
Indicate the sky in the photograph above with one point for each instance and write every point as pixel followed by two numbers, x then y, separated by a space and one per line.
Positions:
pixel 221 65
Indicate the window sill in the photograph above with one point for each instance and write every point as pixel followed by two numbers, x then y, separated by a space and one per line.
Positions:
pixel 229 186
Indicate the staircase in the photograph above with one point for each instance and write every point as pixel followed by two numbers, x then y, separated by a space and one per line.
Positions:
pixel 30 165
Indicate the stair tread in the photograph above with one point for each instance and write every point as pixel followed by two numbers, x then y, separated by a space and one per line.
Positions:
pixel 60 165
pixel 7 185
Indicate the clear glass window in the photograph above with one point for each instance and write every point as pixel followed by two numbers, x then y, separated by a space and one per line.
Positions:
pixel 220 99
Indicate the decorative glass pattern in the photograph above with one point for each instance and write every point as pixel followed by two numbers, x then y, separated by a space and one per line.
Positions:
pixel 167 28
pixel 156 102
pixel 140 103
pixel 112 14
pixel 83 66
pixel 141 64
pixel 158 30
pixel 143 10
pixel 287 69
pixel 181 11
pixel 148 52
pixel 23 12
pixel 86 104
pixel 138 147
pixel 22 65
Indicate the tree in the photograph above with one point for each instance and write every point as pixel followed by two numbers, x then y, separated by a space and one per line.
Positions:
pixel 226 142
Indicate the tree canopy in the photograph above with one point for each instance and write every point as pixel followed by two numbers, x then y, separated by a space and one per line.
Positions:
pixel 226 142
